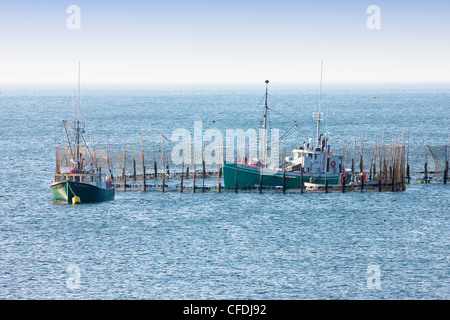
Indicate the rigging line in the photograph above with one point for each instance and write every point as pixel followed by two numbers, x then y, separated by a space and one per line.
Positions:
pixel 273 97
pixel 68 139
pixel 246 126
pixel 278 112
pixel 88 149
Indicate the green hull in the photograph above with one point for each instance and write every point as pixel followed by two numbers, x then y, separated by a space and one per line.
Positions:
pixel 65 191
pixel 246 176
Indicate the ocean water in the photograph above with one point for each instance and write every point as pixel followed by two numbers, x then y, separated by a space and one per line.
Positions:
pixel 172 245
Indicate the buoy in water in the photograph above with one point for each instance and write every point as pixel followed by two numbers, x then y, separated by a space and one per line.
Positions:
pixel 76 200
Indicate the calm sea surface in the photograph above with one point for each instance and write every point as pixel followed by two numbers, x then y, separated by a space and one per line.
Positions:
pixel 174 245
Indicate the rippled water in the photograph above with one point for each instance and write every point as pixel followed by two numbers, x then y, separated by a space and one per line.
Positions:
pixel 173 245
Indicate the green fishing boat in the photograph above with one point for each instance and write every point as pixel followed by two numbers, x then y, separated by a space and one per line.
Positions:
pixel 79 183
pixel 80 180
pixel 309 164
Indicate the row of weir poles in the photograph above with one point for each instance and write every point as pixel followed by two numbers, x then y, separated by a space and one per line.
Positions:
pixel 165 167
pixel 394 180
pixel 194 174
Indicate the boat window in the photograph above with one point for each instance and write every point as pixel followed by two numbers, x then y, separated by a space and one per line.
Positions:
pixel 77 178
pixel 103 179
pixel 91 178
pixel 70 178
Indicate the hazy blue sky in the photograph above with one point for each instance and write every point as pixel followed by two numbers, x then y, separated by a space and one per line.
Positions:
pixel 224 41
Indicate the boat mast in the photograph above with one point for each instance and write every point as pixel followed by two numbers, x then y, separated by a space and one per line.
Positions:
pixel 265 125
pixel 265 106
pixel 320 101
pixel 78 111
pixel 77 124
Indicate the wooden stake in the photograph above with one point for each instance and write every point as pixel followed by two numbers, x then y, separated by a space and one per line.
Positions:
pixel 284 167
pixel 353 158
pixel 164 165
pixel 301 179
pixel 144 187
pixel 219 169
pixel 393 179
pixel 446 162
pixel 446 172
pixel 203 168
pixel 361 163
pixel 193 175
pixel 425 169
pixel 218 178
pixel 124 164
pixel 235 179
pixel 260 179
pixel 182 175
pixel 155 167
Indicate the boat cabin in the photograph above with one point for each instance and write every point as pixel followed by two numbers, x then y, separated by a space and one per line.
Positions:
pixel 314 161
pixel 96 179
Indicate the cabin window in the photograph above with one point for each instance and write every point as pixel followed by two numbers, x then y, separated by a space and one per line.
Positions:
pixel 77 178
pixel 103 179
pixel 70 178
pixel 91 179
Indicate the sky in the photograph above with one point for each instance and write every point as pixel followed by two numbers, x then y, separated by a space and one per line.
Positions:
pixel 198 41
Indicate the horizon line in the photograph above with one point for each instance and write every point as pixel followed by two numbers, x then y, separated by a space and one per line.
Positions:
pixel 219 83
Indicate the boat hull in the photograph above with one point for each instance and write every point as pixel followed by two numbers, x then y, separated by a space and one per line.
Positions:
pixel 246 176
pixel 66 190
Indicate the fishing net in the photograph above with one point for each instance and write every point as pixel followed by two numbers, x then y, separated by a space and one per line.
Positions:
pixel 440 156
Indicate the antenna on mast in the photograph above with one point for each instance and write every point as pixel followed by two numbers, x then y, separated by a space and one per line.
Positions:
pixel 265 105
pixel 78 113
pixel 265 126
pixel 318 115
pixel 74 105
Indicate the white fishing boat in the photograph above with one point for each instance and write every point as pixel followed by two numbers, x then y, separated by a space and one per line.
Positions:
pixel 310 163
